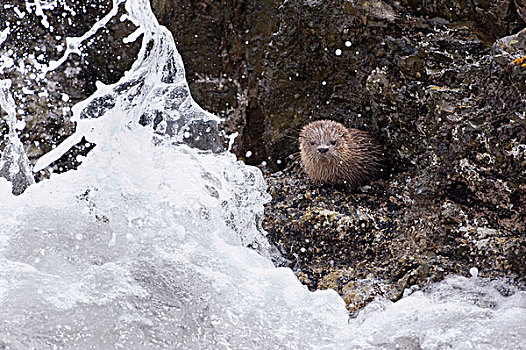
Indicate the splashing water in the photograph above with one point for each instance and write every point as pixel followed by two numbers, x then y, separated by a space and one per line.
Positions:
pixel 14 165
pixel 144 246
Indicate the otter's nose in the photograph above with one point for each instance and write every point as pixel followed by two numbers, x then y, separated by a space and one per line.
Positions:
pixel 323 149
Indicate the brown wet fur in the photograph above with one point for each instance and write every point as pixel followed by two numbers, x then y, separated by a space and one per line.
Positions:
pixel 352 156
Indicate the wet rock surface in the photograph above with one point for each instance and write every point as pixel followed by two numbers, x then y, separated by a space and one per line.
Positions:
pixel 443 88
pixel 270 67
pixel 382 238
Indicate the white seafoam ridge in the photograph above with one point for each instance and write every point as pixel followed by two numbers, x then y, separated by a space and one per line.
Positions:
pixel 144 246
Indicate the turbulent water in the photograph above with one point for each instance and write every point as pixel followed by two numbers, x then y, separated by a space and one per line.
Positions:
pixel 145 245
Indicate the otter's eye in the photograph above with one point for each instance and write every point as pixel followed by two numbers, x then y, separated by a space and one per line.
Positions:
pixel 333 143
pixel 312 143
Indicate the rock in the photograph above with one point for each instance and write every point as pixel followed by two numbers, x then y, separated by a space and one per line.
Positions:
pixel 376 9
pixel 383 238
pixel 450 110
pixel 14 165
pixel 513 44
pixel 521 8
pixel 270 67
pixel 494 18
pixel 442 87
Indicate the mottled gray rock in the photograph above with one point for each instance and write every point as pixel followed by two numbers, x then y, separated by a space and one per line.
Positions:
pixel 14 165
pixel 514 44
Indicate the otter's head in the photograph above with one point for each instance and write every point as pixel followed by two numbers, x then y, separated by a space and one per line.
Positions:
pixel 323 139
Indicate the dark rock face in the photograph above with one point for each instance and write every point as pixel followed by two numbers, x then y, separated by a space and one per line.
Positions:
pixel 433 83
pixel 271 66
pixel 492 18
pixel 224 45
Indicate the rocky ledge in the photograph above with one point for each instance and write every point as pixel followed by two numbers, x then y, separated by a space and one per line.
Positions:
pixel 448 104
pixel 384 237
pixel 442 87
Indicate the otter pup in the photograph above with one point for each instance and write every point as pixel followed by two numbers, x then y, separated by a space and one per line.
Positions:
pixel 333 154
